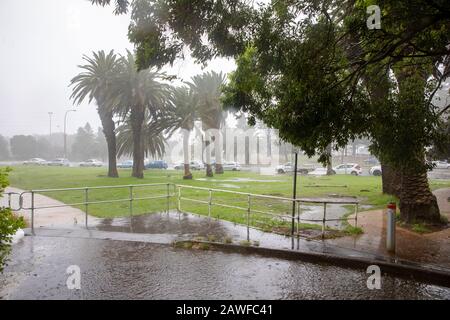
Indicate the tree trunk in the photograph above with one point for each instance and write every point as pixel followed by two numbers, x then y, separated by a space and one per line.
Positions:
pixel 329 162
pixel 209 172
pixel 137 117
pixel 110 136
pixel 391 180
pixel 417 203
pixel 187 172
pixel 218 151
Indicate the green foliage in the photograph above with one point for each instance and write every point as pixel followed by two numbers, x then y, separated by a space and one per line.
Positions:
pixel 420 228
pixel 9 223
pixel 154 140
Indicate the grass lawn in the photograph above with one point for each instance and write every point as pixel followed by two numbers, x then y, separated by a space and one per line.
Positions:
pixel 366 188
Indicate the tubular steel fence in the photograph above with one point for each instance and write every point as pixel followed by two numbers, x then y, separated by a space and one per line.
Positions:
pixel 175 191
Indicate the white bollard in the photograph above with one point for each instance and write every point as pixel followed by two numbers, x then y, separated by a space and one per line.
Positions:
pixel 390 228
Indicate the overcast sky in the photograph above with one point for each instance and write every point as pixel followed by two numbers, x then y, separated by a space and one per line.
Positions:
pixel 41 44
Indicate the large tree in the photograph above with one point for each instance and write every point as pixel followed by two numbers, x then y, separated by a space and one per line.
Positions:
pixel 207 88
pixel 23 147
pixel 95 83
pixel 137 93
pixel 84 145
pixel 304 68
pixel 153 139
pixel 183 114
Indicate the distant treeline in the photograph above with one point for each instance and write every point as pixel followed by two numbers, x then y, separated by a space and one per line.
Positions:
pixel 85 144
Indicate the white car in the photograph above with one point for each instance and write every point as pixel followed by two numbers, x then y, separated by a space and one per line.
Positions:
pixel 318 172
pixel 348 168
pixel 231 166
pixel 441 164
pixel 283 168
pixel 35 162
pixel 193 165
pixel 375 171
pixel 59 162
pixel 91 163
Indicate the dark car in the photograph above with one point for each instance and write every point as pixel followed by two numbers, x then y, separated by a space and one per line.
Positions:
pixel 156 164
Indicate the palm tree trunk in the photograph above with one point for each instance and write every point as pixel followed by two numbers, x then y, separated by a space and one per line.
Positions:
pixel 187 172
pixel 417 202
pixel 218 151
pixel 137 117
pixel 209 172
pixel 391 179
pixel 110 136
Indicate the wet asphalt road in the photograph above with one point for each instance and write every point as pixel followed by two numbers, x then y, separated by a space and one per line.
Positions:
pixel 133 270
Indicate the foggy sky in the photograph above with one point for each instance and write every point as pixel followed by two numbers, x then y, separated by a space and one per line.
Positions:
pixel 41 45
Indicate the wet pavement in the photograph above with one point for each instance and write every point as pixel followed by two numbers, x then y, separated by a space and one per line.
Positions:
pixel 134 270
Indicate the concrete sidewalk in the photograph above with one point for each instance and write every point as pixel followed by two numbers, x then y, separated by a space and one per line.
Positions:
pixel 427 249
pixel 50 217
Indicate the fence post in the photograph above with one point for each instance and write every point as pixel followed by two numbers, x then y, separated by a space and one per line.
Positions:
pixel 9 200
pixel 390 228
pixel 86 199
pixel 131 201
pixel 356 215
pixel 324 219
pixel 32 213
pixel 298 219
pixel 248 216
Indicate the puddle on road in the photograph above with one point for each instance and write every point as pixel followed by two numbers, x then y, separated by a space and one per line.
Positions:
pixel 133 270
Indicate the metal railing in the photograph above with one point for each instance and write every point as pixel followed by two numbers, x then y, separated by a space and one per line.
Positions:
pixel 249 209
pixel 295 216
pixel 131 198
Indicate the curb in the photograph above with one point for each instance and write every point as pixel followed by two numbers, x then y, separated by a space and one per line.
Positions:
pixel 405 269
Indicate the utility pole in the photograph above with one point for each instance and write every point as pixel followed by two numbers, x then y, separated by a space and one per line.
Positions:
pixel 50 116
pixel 65 136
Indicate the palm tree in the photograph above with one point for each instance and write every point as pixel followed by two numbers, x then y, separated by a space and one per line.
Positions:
pixel 208 89
pixel 95 82
pixel 153 138
pixel 137 92
pixel 182 116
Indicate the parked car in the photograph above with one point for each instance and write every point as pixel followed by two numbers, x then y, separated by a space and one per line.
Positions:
pixel 289 167
pixel 318 172
pixel 283 168
pixel 91 163
pixel 193 165
pixel 126 164
pixel 375 171
pixel 348 168
pixel 441 164
pixel 156 164
pixel 231 166
pixel 59 162
pixel 35 162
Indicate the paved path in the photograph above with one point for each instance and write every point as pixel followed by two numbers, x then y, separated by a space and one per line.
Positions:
pixel 432 248
pixel 51 217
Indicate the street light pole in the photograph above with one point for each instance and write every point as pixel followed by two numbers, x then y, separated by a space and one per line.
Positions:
pixel 50 116
pixel 65 136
